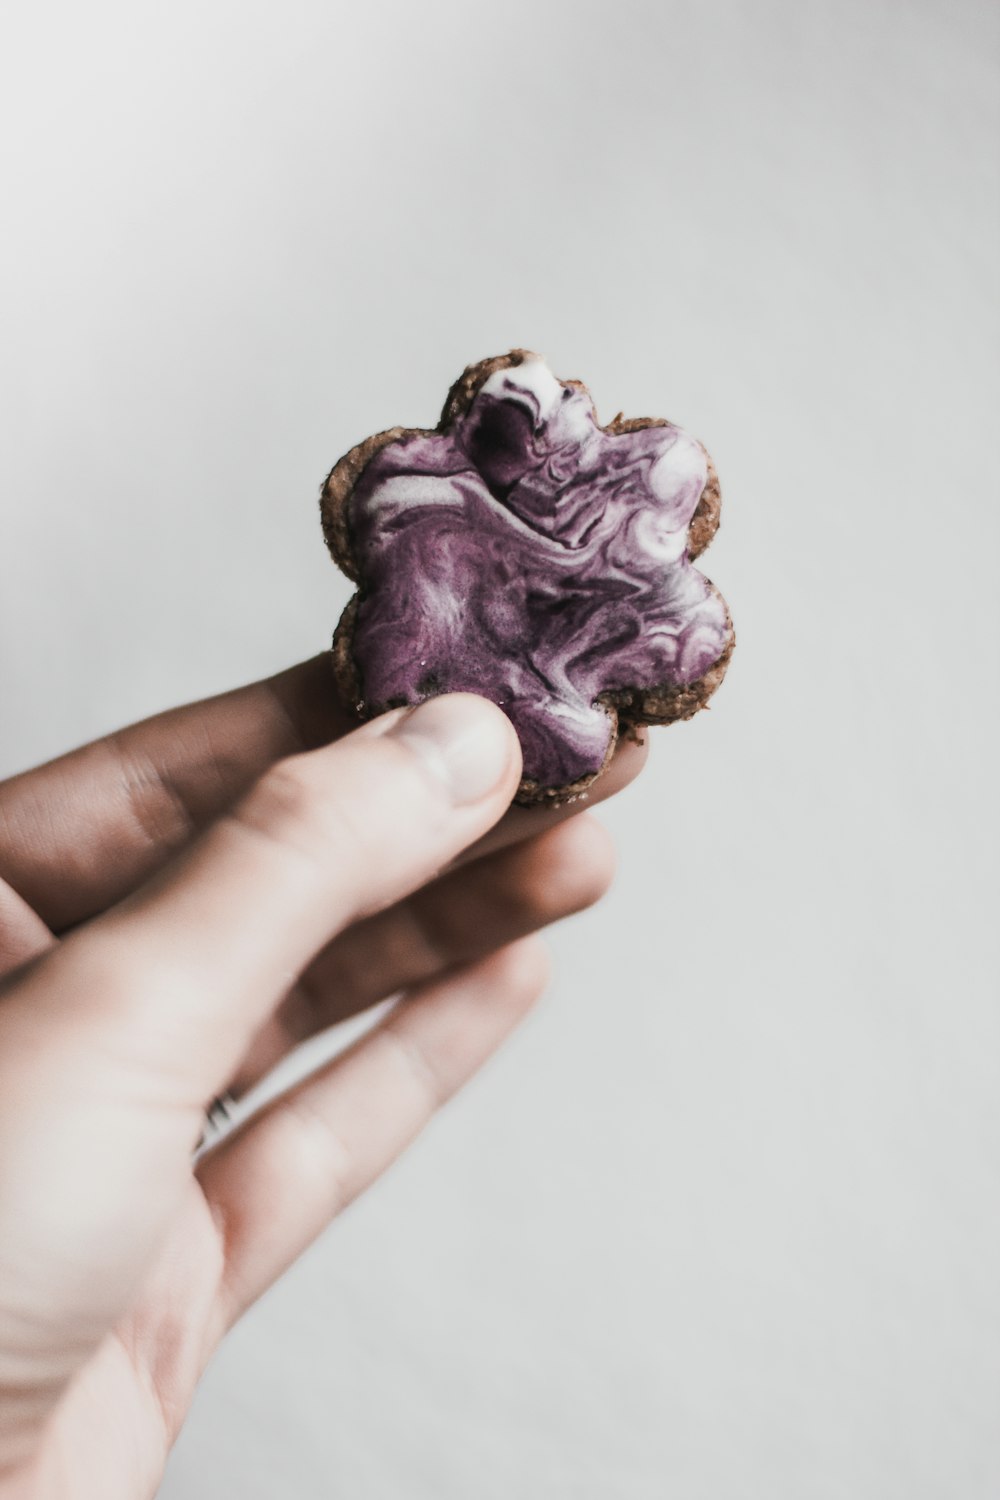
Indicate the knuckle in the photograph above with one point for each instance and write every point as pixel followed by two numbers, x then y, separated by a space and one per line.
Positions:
pixel 321 1154
pixel 284 795
pixel 522 971
pixel 297 808
pixel 117 974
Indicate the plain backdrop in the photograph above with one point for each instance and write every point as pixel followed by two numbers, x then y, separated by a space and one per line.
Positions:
pixel 722 1223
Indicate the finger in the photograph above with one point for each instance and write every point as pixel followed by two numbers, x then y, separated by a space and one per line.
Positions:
pixel 23 934
pixel 82 831
pixel 521 822
pixel 275 1184
pixel 461 917
pixel 184 972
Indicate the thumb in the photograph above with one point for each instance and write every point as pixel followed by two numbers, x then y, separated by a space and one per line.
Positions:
pixel 199 955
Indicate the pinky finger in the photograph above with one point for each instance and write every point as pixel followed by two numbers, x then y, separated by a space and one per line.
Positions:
pixel 273 1186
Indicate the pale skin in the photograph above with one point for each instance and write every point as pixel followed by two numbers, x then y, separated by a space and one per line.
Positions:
pixel 180 905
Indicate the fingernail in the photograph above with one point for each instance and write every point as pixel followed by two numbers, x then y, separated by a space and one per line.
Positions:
pixel 464 742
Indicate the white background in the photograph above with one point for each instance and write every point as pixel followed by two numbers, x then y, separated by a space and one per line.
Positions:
pixel 723 1221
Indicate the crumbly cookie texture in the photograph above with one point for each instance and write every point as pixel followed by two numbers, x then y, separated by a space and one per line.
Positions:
pixel 523 552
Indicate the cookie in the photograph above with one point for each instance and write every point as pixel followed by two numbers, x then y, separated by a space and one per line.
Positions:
pixel 523 552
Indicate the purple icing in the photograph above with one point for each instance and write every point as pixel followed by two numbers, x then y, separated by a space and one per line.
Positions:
pixel 527 556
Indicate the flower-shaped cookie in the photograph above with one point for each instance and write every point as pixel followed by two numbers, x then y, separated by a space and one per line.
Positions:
pixel 522 552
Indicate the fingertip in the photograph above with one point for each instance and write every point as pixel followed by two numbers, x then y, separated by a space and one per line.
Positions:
pixel 585 850
pixel 631 754
pixel 467 743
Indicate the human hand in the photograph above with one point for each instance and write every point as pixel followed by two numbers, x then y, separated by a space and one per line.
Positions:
pixel 181 904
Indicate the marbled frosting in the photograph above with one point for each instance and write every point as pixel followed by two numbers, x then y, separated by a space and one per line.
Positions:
pixel 526 554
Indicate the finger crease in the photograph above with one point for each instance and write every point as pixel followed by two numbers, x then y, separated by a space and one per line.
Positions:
pixel 158 807
pixel 296 739
pixel 417 1063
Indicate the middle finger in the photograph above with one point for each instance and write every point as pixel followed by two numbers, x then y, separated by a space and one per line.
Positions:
pixel 461 917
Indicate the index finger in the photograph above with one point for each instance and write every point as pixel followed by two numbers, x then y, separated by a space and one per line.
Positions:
pixel 83 831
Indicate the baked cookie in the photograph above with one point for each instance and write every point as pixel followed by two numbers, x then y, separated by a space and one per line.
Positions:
pixel 520 551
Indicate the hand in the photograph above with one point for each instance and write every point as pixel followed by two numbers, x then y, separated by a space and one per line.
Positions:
pixel 181 904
